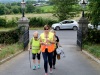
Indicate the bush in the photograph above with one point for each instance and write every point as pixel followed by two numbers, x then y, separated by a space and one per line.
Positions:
pixel 2 22
pixel 40 22
pixel 12 23
pixel 10 37
pixel 93 36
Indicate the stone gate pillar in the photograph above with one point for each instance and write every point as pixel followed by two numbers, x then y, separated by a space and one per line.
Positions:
pixel 23 24
pixel 82 31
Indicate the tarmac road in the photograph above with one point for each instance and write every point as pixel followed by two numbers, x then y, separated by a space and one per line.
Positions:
pixel 75 62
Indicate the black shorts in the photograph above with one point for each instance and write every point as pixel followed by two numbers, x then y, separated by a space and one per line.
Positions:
pixel 34 56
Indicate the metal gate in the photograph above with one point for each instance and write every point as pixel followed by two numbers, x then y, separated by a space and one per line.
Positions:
pixel 26 38
pixel 79 38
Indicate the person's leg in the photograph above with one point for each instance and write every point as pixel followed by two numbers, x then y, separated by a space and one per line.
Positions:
pixel 50 56
pixel 38 57
pixel 54 59
pixel 34 61
pixel 45 62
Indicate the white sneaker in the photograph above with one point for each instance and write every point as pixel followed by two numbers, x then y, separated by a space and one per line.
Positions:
pixel 46 73
pixel 51 71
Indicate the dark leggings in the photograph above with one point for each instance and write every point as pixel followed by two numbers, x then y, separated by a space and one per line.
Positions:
pixel 34 56
pixel 54 57
pixel 47 58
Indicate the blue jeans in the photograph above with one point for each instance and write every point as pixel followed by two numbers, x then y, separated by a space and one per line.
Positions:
pixel 47 58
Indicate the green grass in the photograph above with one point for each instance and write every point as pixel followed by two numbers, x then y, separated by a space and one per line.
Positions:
pixel 43 15
pixel 93 49
pixel 9 50
pixel 6 29
pixel 47 8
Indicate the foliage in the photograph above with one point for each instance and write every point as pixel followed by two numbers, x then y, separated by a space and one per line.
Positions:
pixel 93 49
pixel 10 37
pixel 10 49
pixel 38 10
pixel 16 9
pixel 93 36
pixel 12 23
pixel 2 22
pixel 8 23
pixel 2 9
pixel 94 8
pixel 40 22
pixel 30 8
pixel 47 9
pixel 64 8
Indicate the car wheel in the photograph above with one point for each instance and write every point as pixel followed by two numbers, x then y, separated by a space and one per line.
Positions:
pixel 75 28
pixel 57 28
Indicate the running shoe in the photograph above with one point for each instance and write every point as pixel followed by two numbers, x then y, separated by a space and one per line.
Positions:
pixel 51 70
pixel 34 67
pixel 38 66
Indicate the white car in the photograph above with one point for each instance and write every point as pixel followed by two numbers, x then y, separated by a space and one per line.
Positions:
pixel 92 27
pixel 66 24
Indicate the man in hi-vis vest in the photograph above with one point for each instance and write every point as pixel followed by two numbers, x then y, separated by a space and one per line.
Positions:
pixel 34 44
pixel 47 41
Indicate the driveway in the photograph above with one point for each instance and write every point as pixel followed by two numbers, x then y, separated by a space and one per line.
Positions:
pixel 75 62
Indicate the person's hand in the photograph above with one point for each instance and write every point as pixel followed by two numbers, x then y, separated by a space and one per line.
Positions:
pixel 39 52
pixel 48 41
pixel 28 49
pixel 60 46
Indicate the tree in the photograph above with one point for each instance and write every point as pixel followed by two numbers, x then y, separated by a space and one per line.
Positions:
pixel 30 8
pixel 64 9
pixel 15 9
pixel 94 8
pixel 2 9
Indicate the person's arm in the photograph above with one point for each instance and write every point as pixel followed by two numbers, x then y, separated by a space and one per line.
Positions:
pixel 53 41
pixel 30 44
pixel 58 41
pixel 59 44
pixel 41 42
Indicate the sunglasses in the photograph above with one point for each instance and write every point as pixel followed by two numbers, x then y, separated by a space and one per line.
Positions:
pixel 46 29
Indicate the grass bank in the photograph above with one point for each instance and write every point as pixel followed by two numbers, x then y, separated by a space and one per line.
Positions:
pixel 6 29
pixel 47 9
pixel 7 50
pixel 94 49
pixel 43 15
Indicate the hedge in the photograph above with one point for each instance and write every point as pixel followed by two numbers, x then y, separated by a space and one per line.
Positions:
pixel 34 22
pixel 40 22
pixel 10 37
pixel 93 36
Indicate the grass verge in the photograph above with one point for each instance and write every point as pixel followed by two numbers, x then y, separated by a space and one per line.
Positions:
pixel 6 29
pixel 94 49
pixel 8 50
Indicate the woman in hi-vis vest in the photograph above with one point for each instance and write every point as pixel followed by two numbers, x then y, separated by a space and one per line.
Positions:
pixel 47 41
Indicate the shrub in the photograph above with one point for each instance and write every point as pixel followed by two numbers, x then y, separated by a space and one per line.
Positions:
pixel 93 36
pixel 10 37
pixel 40 22
pixel 2 22
pixel 12 23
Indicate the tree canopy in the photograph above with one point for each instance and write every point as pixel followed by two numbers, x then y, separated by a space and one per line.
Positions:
pixel 94 12
pixel 65 9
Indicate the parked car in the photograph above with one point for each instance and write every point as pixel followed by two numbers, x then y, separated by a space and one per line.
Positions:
pixel 92 26
pixel 65 24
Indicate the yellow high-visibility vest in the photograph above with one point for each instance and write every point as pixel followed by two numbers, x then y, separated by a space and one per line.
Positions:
pixel 49 46
pixel 35 45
